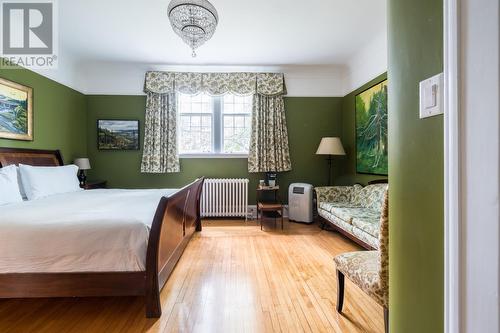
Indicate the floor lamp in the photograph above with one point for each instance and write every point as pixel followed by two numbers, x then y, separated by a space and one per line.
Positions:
pixel 330 146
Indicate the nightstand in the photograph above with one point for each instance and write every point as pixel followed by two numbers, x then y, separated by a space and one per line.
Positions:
pixel 94 184
pixel 267 207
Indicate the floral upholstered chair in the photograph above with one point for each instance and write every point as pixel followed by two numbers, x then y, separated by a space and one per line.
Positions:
pixel 369 270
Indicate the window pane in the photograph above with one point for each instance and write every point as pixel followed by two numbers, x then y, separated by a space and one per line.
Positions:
pixel 239 108
pixel 237 104
pixel 195 123
pixel 206 108
pixel 228 99
pixel 228 133
pixel 201 103
pixel 196 108
pixel 236 133
pixel 196 98
pixel 206 121
pixel 184 99
pixel 239 121
pixel 228 121
pixel 228 108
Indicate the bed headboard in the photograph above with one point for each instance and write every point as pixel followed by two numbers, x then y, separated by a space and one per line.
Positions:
pixel 35 157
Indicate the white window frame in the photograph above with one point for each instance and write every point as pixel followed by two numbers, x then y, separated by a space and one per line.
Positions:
pixel 217 133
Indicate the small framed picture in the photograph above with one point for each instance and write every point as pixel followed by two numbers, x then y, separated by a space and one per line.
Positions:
pixel 16 111
pixel 117 134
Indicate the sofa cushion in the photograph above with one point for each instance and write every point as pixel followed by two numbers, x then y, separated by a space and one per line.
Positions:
pixel 335 220
pixel 329 206
pixel 347 226
pixel 370 196
pixel 365 237
pixel 344 213
pixel 349 213
pixel 336 193
pixel 362 268
pixel 369 222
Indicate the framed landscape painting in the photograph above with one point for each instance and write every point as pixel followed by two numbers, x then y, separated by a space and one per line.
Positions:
pixel 371 130
pixel 117 134
pixel 16 111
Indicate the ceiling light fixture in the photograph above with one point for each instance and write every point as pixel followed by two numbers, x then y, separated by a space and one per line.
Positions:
pixel 193 20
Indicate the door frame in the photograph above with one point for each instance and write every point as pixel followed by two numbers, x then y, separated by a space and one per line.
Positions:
pixel 471 169
pixel 452 171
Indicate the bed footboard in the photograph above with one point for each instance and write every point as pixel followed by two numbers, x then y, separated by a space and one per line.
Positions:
pixel 176 219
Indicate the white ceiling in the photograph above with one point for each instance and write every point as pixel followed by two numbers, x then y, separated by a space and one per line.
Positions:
pixel 250 33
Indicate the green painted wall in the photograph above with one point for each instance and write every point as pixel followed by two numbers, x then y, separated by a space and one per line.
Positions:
pixel 308 120
pixel 59 115
pixel 415 52
pixel 349 174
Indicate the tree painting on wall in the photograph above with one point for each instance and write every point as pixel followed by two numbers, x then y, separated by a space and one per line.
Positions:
pixel 371 130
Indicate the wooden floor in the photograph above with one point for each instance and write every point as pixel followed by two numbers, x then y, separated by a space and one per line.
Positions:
pixel 231 278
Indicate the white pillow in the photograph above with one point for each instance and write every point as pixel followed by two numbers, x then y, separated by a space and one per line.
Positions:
pixel 9 188
pixel 40 182
pixel 20 183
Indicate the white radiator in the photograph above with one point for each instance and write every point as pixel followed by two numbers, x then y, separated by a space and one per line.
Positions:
pixel 224 198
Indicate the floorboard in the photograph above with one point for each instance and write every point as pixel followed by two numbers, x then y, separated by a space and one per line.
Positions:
pixel 233 277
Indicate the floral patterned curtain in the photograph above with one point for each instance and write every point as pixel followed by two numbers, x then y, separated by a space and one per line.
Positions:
pixel 160 153
pixel 269 150
pixel 269 84
pixel 269 141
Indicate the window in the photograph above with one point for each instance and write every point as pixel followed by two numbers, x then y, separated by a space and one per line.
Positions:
pixel 214 125
pixel 237 120
pixel 196 123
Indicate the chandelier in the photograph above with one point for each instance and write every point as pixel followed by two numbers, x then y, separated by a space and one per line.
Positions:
pixel 193 20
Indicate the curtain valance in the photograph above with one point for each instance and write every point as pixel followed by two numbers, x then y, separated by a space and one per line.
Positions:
pixel 268 84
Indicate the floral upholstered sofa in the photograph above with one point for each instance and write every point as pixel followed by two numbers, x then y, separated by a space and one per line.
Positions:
pixel 353 210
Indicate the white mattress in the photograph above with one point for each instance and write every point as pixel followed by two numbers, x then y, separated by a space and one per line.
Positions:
pixel 86 231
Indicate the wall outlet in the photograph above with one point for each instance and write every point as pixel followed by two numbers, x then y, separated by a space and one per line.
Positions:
pixel 252 212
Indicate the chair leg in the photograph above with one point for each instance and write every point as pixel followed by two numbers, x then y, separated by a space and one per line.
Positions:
pixel 322 225
pixel 260 220
pixel 386 319
pixel 340 291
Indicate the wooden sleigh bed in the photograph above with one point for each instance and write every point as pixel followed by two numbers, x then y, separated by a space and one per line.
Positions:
pixel 176 219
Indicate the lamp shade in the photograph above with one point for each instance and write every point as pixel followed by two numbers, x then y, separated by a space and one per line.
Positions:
pixel 330 146
pixel 82 163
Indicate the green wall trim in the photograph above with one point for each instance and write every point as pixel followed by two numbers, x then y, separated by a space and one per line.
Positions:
pixel 416 160
pixel 59 115
pixel 308 120
pixel 349 174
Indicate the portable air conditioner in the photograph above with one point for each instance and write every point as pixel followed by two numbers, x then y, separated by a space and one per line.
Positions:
pixel 300 202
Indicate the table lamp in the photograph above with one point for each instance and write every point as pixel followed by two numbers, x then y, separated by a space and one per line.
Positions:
pixel 82 164
pixel 330 146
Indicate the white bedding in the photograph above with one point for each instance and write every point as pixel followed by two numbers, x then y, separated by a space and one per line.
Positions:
pixel 85 231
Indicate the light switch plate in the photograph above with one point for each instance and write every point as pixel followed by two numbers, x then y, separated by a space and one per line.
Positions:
pixel 431 96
